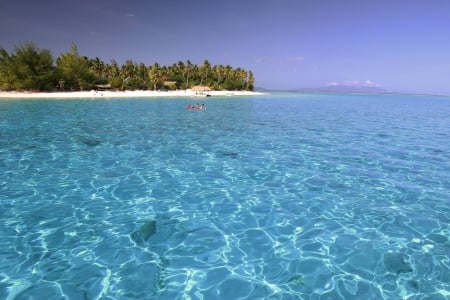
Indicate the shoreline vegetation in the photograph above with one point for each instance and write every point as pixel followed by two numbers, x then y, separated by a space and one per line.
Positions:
pixel 30 69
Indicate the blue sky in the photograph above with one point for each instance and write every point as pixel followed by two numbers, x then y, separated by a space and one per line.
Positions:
pixel 399 45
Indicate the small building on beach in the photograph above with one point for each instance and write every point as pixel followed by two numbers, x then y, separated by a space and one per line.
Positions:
pixel 103 87
pixel 200 88
pixel 170 84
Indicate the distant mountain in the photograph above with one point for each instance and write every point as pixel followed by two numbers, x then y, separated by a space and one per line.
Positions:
pixel 345 89
pixel 364 87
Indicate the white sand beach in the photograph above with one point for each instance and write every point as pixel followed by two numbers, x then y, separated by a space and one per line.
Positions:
pixel 122 94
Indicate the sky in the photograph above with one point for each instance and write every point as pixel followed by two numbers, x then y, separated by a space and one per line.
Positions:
pixel 397 45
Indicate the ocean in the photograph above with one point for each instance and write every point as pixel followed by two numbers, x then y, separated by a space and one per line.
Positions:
pixel 277 196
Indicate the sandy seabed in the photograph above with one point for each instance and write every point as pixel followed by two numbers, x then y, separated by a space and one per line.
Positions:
pixel 122 94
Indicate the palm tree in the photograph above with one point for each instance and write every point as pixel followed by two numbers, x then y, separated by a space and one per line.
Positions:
pixel 112 70
pixel 154 74
pixel 128 69
pixel 98 67
pixel 142 74
pixel 31 68
pixel 205 69
pixel 219 72
pixel 250 81
pixel 241 77
pixel 188 72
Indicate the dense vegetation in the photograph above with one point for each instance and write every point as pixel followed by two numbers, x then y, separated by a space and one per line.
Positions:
pixel 29 68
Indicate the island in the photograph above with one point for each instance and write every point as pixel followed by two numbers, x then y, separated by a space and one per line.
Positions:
pixel 29 71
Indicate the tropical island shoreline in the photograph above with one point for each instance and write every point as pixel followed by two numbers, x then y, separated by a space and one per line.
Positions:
pixel 121 94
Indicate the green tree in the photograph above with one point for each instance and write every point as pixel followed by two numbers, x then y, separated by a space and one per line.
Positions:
pixel 98 68
pixel 128 69
pixel 129 75
pixel 8 78
pixel 250 81
pixel 28 68
pixel 218 72
pixel 205 71
pixel 240 76
pixel 154 75
pixel 112 70
pixel 188 68
pixel 142 74
pixel 74 70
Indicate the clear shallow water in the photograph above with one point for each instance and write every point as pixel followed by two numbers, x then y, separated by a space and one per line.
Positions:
pixel 288 196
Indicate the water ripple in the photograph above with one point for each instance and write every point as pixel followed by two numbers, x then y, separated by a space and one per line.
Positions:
pixel 290 196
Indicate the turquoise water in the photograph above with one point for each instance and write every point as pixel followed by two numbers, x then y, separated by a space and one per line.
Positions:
pixel 286 196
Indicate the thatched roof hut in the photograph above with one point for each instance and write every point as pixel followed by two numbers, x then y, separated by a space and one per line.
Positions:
pixel 102 87
pixel 201 88
pixel 170 83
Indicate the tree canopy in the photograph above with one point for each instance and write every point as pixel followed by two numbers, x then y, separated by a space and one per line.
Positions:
pixel 29 68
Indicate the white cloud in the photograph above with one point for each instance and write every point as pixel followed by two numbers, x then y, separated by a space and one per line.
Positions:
pixel 370 83
pixel 352 83
pixel 355 83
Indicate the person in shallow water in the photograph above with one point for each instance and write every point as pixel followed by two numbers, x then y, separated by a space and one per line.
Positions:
pixel 196 107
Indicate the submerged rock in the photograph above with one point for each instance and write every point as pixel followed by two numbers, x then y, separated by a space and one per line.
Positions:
pixel 147 229
pixel 91 142
pixel 413 285
pixel 230 154
pixel 397 263
pixel 297 280
pixel 144 232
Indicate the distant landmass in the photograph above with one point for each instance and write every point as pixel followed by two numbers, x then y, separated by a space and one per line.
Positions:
pixel 338 88
pixel 346 89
